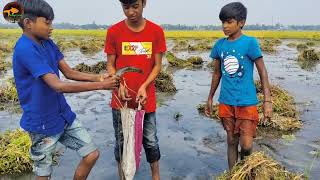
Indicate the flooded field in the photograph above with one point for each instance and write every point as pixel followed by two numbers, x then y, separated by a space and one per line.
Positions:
pixel 193 146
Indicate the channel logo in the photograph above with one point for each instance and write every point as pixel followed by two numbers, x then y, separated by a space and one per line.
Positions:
pixel 12 12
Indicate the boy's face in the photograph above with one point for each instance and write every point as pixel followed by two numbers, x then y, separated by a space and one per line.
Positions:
pixel 134 11
pixel 41 28
pixel 231 26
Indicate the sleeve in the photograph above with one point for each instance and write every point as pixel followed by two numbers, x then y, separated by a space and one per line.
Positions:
pixel 215 51
pixel 34 63
pixel 58 53
pixel 110 44
pixel 160 43
pixel 254 51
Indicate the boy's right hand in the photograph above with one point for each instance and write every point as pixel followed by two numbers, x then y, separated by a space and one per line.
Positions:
pixel 123 93
pixel 208 110
pixel 110 82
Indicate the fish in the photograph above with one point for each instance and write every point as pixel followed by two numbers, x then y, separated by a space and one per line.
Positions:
pixel 120 72
pixel 11 11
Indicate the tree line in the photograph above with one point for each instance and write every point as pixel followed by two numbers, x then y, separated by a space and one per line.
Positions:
pixel 184 27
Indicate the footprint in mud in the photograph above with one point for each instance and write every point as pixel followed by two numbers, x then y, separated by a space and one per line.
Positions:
pixel 212 140
pixel 201 151
pixel 96 110
pixel 210 144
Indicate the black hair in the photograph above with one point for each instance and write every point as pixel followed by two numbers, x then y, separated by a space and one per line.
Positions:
pixel 234 10
pixel 129 1
pixel 35 8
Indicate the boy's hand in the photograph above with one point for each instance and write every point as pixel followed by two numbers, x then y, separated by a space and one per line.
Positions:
pixel 142 95
pixel 208 110
pixel 267 111
pixel 123 93
pixel 110 83
pixel 102 77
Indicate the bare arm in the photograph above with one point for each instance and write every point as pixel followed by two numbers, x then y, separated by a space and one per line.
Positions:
pixel 264 79
pixel 216 76
pixel 155 71
pixel 111 64
pixel 72 87
pixel 142 93
pixel 69 73
pixel 267 104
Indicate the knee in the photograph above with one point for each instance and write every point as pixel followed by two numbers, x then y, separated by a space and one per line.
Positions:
pixel 95 155
pixel 246 144
pixel 92 157
pixel 149 144
pixel 233 141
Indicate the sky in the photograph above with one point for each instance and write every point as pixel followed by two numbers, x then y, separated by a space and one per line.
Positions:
pixel 188 12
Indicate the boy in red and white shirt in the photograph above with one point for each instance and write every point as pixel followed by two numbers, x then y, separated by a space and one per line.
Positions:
pixel 139 43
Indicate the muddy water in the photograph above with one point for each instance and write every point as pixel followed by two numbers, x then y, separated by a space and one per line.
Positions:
pixel 194 147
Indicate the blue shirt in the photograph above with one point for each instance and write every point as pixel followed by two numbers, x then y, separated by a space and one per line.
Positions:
pixel 45 111
pixel 237 62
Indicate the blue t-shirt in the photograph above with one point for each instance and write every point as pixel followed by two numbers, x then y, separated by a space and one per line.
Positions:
pixel 237 62
pixel 45 111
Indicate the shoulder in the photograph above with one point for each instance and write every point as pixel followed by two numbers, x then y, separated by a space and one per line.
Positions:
pixel 250 39
pixel 51 43
pixel 24 46
pixel 219 42
pixel 154 26
pixel 116 27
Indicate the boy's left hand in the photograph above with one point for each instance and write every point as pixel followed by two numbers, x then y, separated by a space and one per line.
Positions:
pixel 142 95
pixel 267 111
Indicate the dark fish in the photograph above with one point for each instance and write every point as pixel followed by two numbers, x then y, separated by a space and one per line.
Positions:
pixel 124 70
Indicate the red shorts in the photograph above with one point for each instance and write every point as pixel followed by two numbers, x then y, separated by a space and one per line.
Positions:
pixel 239 120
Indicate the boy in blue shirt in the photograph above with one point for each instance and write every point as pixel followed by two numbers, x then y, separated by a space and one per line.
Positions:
pixel 234 60
pixel 46 115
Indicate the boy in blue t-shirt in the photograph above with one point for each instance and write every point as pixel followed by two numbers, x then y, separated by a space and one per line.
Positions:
pixel 234 60
pixel 47 117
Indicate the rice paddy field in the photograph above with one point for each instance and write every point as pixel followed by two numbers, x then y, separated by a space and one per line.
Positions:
pixel 315 35
pixel 193 146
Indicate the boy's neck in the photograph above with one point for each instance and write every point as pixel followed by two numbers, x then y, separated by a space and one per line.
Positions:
pixel 136 26
pixel 235 35
pixel 32 37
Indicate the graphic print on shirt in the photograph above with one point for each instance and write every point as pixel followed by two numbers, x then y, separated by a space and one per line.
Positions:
pixel 137 48
pixel 231 64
